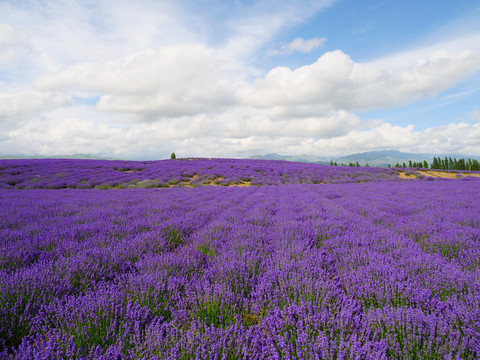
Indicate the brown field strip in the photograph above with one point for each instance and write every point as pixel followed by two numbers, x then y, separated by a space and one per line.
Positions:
pixel 436 174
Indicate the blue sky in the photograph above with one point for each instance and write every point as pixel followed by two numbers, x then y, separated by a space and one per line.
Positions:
pixel 137 80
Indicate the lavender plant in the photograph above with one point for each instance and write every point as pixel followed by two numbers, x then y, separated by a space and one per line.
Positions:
pixel 106 174
pixel 382 269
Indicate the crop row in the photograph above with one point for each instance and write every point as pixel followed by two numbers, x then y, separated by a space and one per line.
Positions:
pixel 104 174
pixel 378 270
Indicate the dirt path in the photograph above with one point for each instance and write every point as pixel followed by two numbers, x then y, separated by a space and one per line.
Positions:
pixel 403 175
pixel 435 174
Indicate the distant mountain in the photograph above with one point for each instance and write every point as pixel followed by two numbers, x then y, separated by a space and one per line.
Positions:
pixel 74 156
pixel 392 157
pixel 372 158
pixel 384 158
pixel 296 158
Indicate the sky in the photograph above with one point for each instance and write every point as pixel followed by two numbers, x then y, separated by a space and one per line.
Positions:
pixel 139 79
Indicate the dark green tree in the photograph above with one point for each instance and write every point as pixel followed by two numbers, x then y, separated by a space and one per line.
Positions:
pixel 173 156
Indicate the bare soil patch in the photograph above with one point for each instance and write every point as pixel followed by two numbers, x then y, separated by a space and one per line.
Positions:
pixel 241 185
pixel 441 174
pixel 436 174
pixel 403 175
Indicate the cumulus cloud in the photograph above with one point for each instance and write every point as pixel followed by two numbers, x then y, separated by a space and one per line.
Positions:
pixel 300 45
pixel 245 122
pixel 140 73
pixel 299 111
pixel 475 115
pixel 83 130
pixel 25 104
pixel 264 20
pixel 13 42
pixel 336 80
pixel 10 37
pixel 168 78
pixel 459 138
pixel 182 80
pixel 173 81
pixel 63 32
pixel 80 129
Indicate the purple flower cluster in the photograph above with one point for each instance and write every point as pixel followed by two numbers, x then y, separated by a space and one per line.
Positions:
pixel 376 270
pixel 104 174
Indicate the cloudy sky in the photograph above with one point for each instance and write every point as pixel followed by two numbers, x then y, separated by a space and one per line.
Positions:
pixel 140 79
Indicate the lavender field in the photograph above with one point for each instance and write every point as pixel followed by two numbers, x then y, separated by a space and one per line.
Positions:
pixel 285 261
pixel 106 174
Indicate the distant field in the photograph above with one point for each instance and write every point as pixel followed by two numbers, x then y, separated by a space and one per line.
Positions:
pixel 119 174
pixel 104 174
pixel 300 261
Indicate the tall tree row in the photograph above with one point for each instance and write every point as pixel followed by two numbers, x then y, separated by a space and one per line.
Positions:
pixel 448 163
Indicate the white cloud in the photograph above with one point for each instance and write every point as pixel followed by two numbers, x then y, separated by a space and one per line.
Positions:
pixel 299 44
pixel 63 32
pixel 238 132
pixel 193 79
pixel 475 115
pixel 299 111
pixel 451 41
pixel 264 20
pixel 163 61
pixel 14 46
pixel 460 138
pixel 140 73
pixel 25 104
pixel 9 37
pixel 245 122
pixel 173 81
pixel 335 80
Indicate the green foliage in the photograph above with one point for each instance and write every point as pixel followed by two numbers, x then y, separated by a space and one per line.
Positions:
pixel 155 300
pixel 453 164
pixel 207 249
pixel 173 156
pixel 16 322
pixel 173 238
pixel 214 311
pixel 321 237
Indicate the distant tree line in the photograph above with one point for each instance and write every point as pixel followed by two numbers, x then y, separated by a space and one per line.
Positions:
pixel 349 164
pixel 446 163
pixel 461 164
pixel 420 164
pixel 438 163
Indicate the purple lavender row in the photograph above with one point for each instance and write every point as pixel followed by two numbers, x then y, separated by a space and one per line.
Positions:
pixel 104 174
pixel 385 270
